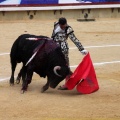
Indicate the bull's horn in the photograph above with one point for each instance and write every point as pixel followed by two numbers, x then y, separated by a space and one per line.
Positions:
pixel 55 70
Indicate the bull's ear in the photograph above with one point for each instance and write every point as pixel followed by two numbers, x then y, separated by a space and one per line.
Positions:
pixel 55 69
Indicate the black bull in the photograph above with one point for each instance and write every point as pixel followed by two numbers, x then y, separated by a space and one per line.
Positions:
pixel 48 62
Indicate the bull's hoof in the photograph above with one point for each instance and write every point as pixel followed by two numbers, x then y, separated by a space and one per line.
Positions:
pixel 44 89
pixel 23 91
pixel 11 82
pixel 18 80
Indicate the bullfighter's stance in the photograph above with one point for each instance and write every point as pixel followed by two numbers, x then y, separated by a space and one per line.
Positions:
pixel 60 34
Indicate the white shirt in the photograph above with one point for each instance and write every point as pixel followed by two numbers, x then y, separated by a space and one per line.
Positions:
pixel 58 29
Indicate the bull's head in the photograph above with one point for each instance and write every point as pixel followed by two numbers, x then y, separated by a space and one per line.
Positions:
pixel 56 68
pixel 59 74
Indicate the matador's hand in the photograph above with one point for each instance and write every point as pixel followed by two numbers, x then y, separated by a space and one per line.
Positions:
pixel 84 52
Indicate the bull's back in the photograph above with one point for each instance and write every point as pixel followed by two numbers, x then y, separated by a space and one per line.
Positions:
pixel 22 49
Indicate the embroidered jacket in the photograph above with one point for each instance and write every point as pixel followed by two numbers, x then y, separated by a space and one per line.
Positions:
pixel 61 36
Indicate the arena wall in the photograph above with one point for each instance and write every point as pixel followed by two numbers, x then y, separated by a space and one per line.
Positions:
pixel 55 14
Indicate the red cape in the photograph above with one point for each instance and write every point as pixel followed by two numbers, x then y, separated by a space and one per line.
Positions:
pixel 84 77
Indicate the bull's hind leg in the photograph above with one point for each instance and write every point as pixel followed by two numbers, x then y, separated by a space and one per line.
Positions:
pixel 19 76
pixel 13 66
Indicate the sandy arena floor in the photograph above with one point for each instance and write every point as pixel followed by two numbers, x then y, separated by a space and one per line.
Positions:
pixel 64 105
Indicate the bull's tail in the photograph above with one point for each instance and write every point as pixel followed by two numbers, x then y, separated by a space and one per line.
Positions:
pixel 13 59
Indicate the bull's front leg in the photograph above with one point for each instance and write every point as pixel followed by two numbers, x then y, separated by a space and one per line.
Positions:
pixel 24 76
pixel 27 80
pixel 45 87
